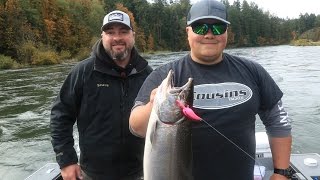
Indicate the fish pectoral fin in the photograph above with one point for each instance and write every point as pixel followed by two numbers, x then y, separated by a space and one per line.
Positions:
pixel 153 133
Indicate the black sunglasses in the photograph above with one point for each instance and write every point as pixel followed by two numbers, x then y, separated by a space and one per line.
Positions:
pixel 203 28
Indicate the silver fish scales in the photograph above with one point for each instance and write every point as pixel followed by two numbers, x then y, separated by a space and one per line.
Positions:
pixel 168 144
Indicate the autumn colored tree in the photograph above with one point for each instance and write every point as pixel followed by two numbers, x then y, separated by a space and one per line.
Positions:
pixel 35 28
pixel 139 33
pixel 150 43
pixel 13 21
pixel 2 29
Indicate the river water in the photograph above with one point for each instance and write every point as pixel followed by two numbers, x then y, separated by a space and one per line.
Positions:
pixel 26 96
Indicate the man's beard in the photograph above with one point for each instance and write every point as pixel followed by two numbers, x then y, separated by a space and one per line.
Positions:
pixel 119 56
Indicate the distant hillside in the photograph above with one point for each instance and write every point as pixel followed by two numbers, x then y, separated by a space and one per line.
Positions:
pixel 308 38
pixel 312 34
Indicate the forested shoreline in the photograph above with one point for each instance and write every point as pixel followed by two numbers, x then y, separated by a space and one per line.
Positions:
pixel 42 32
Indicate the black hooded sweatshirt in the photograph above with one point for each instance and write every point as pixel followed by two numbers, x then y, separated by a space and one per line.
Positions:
pixel 99 95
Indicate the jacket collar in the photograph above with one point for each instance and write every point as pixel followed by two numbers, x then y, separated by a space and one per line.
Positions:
pixel 105 64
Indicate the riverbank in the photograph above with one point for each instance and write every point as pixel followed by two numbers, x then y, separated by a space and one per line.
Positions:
pixel 305 42
pixel 7 62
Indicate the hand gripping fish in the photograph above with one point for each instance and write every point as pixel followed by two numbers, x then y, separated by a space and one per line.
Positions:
pixel 168 146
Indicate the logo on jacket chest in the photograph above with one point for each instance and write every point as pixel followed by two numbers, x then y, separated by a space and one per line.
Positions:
pixel 103 85
pixel 220 96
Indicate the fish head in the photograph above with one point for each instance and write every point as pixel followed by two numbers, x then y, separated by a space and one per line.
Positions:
pixel 167 96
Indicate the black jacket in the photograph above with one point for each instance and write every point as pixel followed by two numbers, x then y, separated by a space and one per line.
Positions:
pixel 99 95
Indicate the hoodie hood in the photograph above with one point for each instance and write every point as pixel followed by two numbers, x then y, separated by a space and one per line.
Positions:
pixel 105 64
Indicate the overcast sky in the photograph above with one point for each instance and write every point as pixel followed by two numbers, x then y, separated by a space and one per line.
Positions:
pixel 286 8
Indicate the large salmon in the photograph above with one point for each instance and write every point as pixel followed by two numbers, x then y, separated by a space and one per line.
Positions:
pixel 168 153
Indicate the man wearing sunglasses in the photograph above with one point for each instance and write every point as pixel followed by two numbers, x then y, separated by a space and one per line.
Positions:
pixel 229 92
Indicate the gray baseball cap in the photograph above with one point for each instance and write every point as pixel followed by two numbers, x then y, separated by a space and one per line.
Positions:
pixel 207 9
pixel 116 17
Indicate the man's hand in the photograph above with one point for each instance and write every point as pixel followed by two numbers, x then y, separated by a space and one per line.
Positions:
pixel 152 95
pixel 71 172
pixel 140 115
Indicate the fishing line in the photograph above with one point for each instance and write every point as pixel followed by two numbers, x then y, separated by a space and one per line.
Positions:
pixel 190 114
pixel 229 140
pixel 259 164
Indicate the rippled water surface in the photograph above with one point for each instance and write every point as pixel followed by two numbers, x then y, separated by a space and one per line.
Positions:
pixel 26 96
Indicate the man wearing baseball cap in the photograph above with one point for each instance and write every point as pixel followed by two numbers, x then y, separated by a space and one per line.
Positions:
pixel 98 95
pixel 116 17
pixel 229 92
